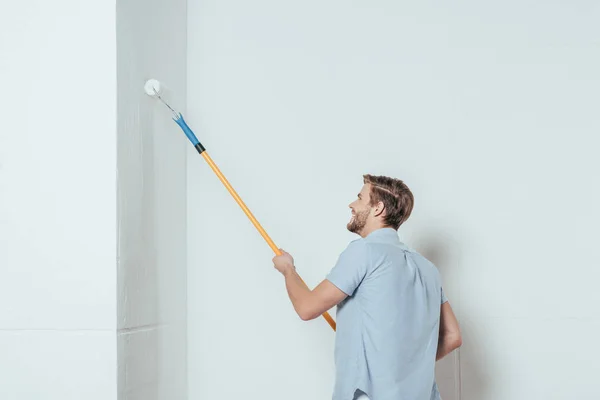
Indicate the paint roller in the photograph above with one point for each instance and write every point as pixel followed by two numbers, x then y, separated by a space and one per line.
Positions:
pixel 152 88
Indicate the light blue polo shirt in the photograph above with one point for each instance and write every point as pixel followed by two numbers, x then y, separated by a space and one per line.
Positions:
pixel 388 326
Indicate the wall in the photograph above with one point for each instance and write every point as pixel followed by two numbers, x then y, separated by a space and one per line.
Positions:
pixel 151 202
pixel 488 112
pixel 57 200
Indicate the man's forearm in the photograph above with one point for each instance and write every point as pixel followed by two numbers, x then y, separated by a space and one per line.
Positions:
pixel 298 292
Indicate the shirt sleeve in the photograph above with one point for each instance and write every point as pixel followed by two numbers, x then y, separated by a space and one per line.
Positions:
pixel 444 298
pixel 350 268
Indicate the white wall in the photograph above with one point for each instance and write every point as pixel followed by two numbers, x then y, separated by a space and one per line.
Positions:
pixel 151 202
pixel 57 200
pixel 487 111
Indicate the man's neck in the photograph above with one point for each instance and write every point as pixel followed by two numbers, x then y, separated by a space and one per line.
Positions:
pixel 367 230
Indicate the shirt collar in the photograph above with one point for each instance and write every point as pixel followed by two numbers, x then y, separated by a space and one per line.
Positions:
pixel 388 235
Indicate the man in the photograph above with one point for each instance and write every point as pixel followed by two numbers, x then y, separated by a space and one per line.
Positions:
pixel 393 319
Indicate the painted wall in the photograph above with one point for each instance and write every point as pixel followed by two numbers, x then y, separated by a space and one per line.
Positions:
pixel 489 114
pixel 57 200
pixel 151 202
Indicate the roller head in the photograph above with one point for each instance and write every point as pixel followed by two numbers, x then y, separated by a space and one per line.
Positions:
pixel 152 87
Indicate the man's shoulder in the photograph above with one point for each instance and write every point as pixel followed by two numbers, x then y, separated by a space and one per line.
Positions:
pixel 357 245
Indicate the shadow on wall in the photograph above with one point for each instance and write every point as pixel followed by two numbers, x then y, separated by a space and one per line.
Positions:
pixel 460 366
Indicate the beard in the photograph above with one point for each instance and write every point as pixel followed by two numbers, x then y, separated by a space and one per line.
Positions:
pixel 358 222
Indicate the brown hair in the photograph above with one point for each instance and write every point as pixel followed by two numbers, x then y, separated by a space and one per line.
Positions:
pixel 396 197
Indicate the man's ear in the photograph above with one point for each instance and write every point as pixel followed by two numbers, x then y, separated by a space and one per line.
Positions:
pixel 379 209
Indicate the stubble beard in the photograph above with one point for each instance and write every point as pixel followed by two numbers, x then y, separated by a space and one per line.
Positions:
pixel 358 222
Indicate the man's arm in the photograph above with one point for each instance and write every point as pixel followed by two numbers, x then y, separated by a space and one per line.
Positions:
pixel 310 304
pixel 450 337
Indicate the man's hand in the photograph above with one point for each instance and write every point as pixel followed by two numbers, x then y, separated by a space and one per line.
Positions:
pixel 284 263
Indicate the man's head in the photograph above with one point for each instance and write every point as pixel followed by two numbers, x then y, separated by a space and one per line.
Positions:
pixel 382 202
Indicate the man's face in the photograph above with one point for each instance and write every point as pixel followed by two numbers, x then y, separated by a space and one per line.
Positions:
pixel 360 210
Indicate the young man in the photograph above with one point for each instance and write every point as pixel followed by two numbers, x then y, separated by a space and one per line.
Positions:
pixel 393 319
